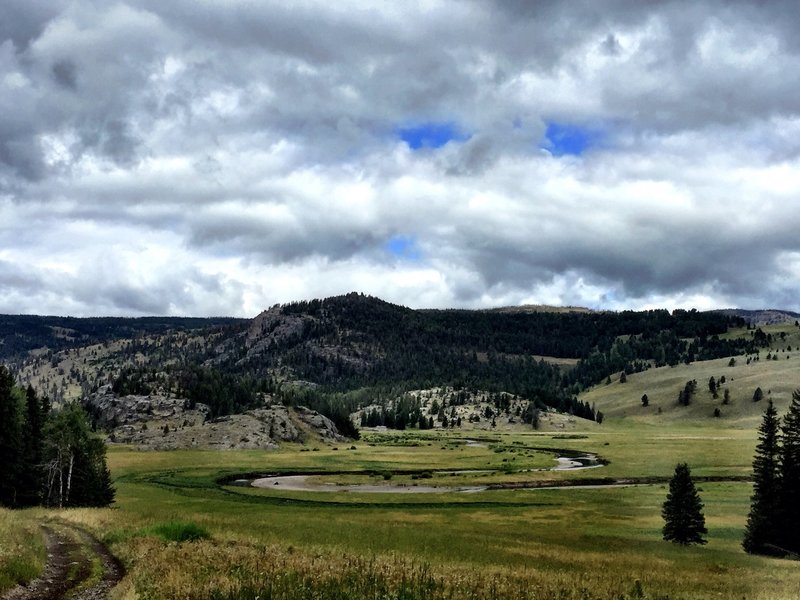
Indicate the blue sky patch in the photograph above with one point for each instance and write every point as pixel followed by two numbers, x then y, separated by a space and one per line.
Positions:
pixel 402 246
pixel 565 139
pixel 430 135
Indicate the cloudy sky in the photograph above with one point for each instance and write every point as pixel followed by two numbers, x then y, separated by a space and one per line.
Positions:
pixel 192 157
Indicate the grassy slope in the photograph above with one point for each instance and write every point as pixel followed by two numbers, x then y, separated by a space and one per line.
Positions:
pixel 777 378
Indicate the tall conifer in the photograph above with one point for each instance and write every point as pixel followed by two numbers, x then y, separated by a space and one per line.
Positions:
pixel 761 535
pixel 31 475
pixel 10 451
pixel 789 517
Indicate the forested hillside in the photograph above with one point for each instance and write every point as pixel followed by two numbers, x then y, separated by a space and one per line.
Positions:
pixel 339 354
pixel 19 334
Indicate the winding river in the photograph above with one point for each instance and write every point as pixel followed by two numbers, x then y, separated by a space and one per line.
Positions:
pixel 302 483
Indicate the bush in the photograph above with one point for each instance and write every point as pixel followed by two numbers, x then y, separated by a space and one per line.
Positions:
pixel 175 531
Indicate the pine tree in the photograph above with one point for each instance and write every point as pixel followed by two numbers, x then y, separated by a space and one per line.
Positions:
pixel 10 450
pixel 761 534
pixel 31 474
pixel 788 518
pixel 684 522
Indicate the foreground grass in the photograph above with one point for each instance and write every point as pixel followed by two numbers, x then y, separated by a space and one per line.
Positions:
pixel 578 543
pixel 22 552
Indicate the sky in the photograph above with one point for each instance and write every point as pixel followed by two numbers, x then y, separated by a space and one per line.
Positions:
pixel 206 158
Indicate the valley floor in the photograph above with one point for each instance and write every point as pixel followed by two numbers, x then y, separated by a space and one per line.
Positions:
pixel 525 543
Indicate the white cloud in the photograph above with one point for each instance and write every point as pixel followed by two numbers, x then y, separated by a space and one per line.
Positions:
pixel 216 158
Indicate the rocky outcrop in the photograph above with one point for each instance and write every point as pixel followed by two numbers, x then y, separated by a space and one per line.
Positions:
pixel 160 423
pixel 319 424
pixel 110 411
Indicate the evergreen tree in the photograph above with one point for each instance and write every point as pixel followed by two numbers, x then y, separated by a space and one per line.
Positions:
pixel 712 386
pixel 645 400
pixel 10 450
pixel 31 474
pixel 788 518
pixel 758 395
pixel 684 522
pixel 762 523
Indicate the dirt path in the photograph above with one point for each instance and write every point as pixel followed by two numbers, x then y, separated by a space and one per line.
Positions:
pixel 71 552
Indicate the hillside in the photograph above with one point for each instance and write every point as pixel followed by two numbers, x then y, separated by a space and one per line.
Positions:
pixel 338 355
pixel 21 334
pixel 776 370
pixel 763 317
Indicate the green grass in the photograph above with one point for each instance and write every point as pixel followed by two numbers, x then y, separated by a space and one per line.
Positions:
pixel 22 551
pixel 605 538
pixel 176 531
pixel 777 379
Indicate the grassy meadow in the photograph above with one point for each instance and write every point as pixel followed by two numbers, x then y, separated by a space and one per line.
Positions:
pixel 572 542
pixel 548 543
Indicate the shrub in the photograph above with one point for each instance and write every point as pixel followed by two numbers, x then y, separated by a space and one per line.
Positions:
pixel 175 531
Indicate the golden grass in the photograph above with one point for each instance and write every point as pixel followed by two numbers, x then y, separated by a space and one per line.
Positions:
pixel 209 569
pixel 777 379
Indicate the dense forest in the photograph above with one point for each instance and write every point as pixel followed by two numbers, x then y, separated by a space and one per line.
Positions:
pixel 19 334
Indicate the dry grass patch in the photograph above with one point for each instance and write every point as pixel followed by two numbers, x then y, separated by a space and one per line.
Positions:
pixel 22 551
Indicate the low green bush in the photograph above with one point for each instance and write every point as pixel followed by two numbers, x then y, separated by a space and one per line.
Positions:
pixel 175 531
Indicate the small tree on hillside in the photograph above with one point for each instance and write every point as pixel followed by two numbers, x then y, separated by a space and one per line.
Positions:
pixel 762 523
pixel 684 522
pixel 758 395
pixel 645 400
pixel 623 377
pixel 712 386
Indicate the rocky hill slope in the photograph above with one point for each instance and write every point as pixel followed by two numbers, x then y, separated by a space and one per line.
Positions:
pixel 155 422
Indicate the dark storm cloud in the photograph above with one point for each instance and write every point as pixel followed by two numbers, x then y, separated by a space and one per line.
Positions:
pixel 217 157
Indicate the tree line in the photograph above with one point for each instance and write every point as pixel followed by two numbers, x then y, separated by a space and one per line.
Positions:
pixel 49 457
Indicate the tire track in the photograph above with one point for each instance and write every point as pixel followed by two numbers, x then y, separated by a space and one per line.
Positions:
pixel 70 554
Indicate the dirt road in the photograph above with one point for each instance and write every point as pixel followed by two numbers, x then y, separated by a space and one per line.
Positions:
pixel 79 566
